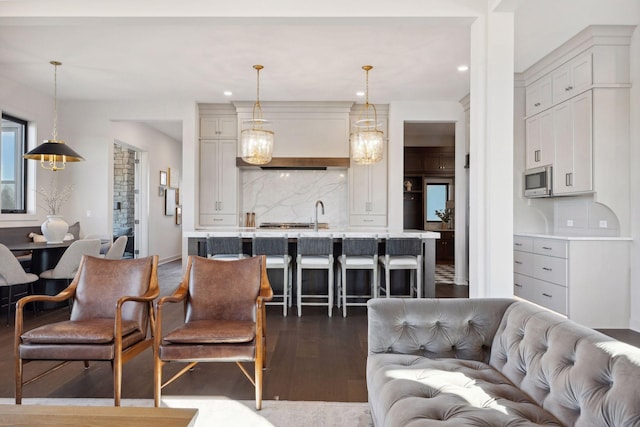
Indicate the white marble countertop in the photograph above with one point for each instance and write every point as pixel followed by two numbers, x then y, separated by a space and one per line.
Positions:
pixel 564 237
pixel 248 232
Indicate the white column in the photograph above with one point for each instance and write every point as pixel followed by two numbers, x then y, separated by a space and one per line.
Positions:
pixel 491 156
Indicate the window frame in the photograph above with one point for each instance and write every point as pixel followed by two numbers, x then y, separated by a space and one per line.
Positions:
pixel 24 165
pixel 450 189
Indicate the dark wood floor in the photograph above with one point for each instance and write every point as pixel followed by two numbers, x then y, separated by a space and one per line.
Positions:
pixel 313 358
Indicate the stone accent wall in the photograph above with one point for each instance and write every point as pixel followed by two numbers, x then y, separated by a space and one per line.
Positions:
pixel 124 168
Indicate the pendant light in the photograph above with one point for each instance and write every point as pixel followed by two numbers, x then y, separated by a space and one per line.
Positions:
pixel 256 143
pixel 367 142
pixel 54 153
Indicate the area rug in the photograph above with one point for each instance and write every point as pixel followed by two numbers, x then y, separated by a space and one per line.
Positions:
pixel 221 411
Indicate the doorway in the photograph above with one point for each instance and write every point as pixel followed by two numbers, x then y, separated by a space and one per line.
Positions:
pixel 126 197
pixel 429 193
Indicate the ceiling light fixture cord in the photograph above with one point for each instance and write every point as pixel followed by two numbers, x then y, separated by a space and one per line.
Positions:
pixel 55 98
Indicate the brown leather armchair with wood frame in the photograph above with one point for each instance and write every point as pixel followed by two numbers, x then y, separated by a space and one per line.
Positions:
pixel 225 319
pixel 109 321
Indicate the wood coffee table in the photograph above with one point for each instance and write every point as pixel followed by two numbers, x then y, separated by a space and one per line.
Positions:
pixel 95 416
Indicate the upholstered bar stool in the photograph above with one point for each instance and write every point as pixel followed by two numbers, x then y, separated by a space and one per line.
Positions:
pixel 315 253
pixel 225 248
pixel 357 254
pixel 402 254
pixel 276 250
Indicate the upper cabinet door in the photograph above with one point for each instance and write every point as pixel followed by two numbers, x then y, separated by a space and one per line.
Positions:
pixel 218 127
pixel 572 78
pixel 540 143
pixel 538 96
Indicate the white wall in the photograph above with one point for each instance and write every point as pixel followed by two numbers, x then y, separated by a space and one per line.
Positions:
pixel 635 180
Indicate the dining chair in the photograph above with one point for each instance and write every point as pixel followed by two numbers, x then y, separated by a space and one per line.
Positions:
pixel 69 262
pixel 109 320
pixel 276 250
pixel 224 320
pixel 402 254
pixel 67 266
pixel 12 274
pixel 357 254
pixel 116 251
pixel 314 253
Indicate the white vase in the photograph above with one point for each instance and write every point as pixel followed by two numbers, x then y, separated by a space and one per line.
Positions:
pixel 54 229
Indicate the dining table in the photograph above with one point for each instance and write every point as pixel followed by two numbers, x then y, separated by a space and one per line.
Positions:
pixel 44 256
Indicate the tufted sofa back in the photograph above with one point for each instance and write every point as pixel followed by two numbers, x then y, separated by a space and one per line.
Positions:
pixel 581 376
pixel 454 328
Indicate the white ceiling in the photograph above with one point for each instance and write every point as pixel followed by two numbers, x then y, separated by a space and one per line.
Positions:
pixel 194 50
pixel 199 59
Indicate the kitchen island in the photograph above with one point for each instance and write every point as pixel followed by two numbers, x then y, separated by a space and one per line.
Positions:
pixel 197 242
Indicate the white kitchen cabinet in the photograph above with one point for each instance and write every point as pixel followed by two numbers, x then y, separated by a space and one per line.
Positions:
pixel 218 182
pixel 573 165
pixel 572 78
pixel 368 194
pixel 540 146
pixel 581 278
pixel 218 127
pixel 538 96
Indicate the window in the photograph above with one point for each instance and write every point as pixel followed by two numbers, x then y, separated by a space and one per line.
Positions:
pixel 13 167
pixel 437 196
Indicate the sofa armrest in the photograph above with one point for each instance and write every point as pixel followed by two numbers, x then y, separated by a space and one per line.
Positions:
pixel 456 327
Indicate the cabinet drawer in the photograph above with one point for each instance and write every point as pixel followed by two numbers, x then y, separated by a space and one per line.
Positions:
pixel 523 263
pixel 213 219
pixel 551 247
pixel 523 243
pixel 522 286
pixel 368 220
pixel 551 296
pixel 550 269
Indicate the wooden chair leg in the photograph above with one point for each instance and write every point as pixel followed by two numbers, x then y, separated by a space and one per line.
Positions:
pixel 18 381
pixel 157 380
pixel 117 380
pixel 258 381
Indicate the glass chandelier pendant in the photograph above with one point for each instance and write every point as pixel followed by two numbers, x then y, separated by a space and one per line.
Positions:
pixel 256 143
pixel 367 142
pixel 54 154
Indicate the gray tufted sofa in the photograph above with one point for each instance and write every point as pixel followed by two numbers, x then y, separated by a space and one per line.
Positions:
pixel 495 362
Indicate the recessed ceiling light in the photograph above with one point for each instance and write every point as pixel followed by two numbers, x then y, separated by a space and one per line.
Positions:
pixel 228 93
pixel 360 93
pixel 463 68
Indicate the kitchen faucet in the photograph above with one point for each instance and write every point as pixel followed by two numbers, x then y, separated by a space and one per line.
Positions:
pixel 315 223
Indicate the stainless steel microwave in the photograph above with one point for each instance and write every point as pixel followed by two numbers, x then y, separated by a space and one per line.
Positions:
pixel 538 182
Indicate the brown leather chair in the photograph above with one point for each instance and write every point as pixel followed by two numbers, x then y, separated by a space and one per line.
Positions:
pixel 225 319
pixel 112 309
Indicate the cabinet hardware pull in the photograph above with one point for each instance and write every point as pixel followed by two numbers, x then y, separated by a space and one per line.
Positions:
pixel 518 262
pixel 547 295
pixel 537 104
pixel 547 248
pixel 517 285
pixel 547 269
pixel 518 244
pixel 537 155
pixel 367 220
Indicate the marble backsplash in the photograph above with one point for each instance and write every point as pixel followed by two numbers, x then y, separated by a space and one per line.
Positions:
pixel 290 195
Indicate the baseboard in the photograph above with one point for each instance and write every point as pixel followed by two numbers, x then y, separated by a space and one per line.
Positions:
pixel 634 324
pixel 169 259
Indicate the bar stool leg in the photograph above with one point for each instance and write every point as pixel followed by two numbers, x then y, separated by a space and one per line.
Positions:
pixel 299 288
pixel 330 291
pixel 344 291
pixel 285 286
